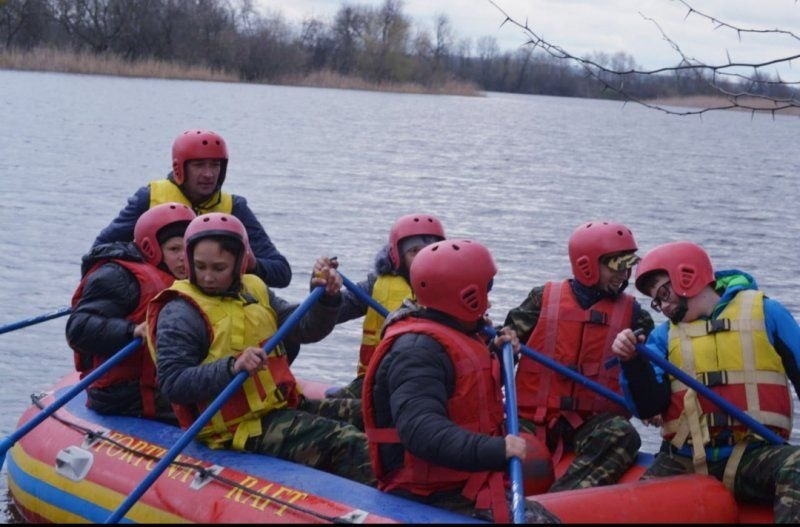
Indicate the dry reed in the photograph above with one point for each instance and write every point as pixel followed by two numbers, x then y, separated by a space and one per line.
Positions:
pixel 51 59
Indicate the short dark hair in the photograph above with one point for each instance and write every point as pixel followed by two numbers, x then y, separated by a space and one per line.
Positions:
pixel 647 281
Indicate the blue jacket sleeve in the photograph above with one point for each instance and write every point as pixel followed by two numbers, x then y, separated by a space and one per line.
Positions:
pixel 271 265
pixel 121 228
pixel 784 334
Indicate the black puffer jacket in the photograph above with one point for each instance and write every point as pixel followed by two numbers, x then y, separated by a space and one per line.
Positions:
pixel 412 386
pixel 98 326
pixel 183 341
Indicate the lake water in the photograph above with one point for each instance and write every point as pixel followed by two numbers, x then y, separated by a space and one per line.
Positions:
pixel 328 171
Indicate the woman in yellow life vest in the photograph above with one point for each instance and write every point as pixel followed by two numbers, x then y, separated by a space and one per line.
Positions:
pixel 208 328
pixel 388 284
pixel 199 166
pixel 742 345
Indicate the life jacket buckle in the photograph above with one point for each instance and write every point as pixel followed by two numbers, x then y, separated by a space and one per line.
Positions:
pixel 598 317
pixel 720 324
pixel 567 403
pixel 715 378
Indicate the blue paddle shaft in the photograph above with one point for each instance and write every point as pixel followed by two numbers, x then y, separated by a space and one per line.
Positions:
pixel 365 298
pixel 98 372
pixel 710 395
pixel 212 409
pixel 512 423
pixel 35 320
pixel 566 372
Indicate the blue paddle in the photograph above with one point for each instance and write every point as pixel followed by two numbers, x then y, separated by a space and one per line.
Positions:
pixel 512 423
pixel 35 320
pixel 533 354
pixel 8 442
pixel 209 412
pixel 712 396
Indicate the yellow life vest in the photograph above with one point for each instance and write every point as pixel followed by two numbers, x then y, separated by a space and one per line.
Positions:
pixel 165 191
pixel 733 356
pixel 236 324
pixel 389 291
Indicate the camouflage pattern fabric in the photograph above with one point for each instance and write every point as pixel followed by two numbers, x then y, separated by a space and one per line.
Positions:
pixel 605 447
pixel 766 474
pixel 351 391
pixel 324 434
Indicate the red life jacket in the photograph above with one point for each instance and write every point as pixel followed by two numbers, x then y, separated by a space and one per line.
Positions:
pixel 579 339
pixel 138 366
pixel 476 405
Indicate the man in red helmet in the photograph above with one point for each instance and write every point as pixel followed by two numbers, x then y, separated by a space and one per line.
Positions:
pixel 432 401
pixel 108 311
pixel 574 322
pixel 745 347
pixel 388 284
pixel 199 167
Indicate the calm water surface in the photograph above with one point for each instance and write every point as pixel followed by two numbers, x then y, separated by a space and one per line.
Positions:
pixel 328 171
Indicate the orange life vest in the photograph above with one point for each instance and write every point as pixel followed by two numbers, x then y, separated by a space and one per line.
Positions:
pixel 476 405
pixel 138 366
pixel 579 339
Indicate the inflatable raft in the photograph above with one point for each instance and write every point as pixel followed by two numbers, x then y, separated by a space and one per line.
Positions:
pixel 78 466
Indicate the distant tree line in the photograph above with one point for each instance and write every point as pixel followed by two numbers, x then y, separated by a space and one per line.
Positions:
pixel 377 44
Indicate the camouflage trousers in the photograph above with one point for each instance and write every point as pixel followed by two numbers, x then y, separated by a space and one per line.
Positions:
pixel 766 474
pixel 325 434
pixel 605 447
pixel 351 391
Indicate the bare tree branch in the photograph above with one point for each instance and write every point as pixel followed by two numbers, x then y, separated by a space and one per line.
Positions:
pixel 756 92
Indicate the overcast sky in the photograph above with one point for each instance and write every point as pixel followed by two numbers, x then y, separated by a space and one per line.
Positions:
pixel 584 26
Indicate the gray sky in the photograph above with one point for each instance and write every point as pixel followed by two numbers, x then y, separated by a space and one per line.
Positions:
pixel 584 26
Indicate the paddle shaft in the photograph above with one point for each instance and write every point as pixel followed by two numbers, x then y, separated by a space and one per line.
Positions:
pixel 512 423
pixel 535 355
pixel 212 409
pixel 98 372
pixel 710 395
pixel 35 320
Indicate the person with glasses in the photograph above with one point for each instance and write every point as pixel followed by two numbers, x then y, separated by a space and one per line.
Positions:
pixel 432 401
pixel 574 322
pixel 744 346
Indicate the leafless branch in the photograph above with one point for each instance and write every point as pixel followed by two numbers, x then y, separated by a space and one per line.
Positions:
pixel 755 91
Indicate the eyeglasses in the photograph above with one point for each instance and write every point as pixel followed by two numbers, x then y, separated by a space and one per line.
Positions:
pixel 662 295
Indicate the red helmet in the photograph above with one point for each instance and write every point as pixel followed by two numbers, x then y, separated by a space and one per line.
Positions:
pixel 592 240
pixel 149 224
pixel 687 264
pixel 412 225
pixel 198 144
pixel 453 276
pixel 216 224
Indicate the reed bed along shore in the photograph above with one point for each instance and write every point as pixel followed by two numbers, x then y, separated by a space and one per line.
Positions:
pixel 51 59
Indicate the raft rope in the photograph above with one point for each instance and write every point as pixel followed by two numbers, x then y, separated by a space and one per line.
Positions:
pixel 203 473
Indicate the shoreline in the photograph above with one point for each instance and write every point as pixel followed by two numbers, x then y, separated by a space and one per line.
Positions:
pixel 711 101
pixel 53 60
